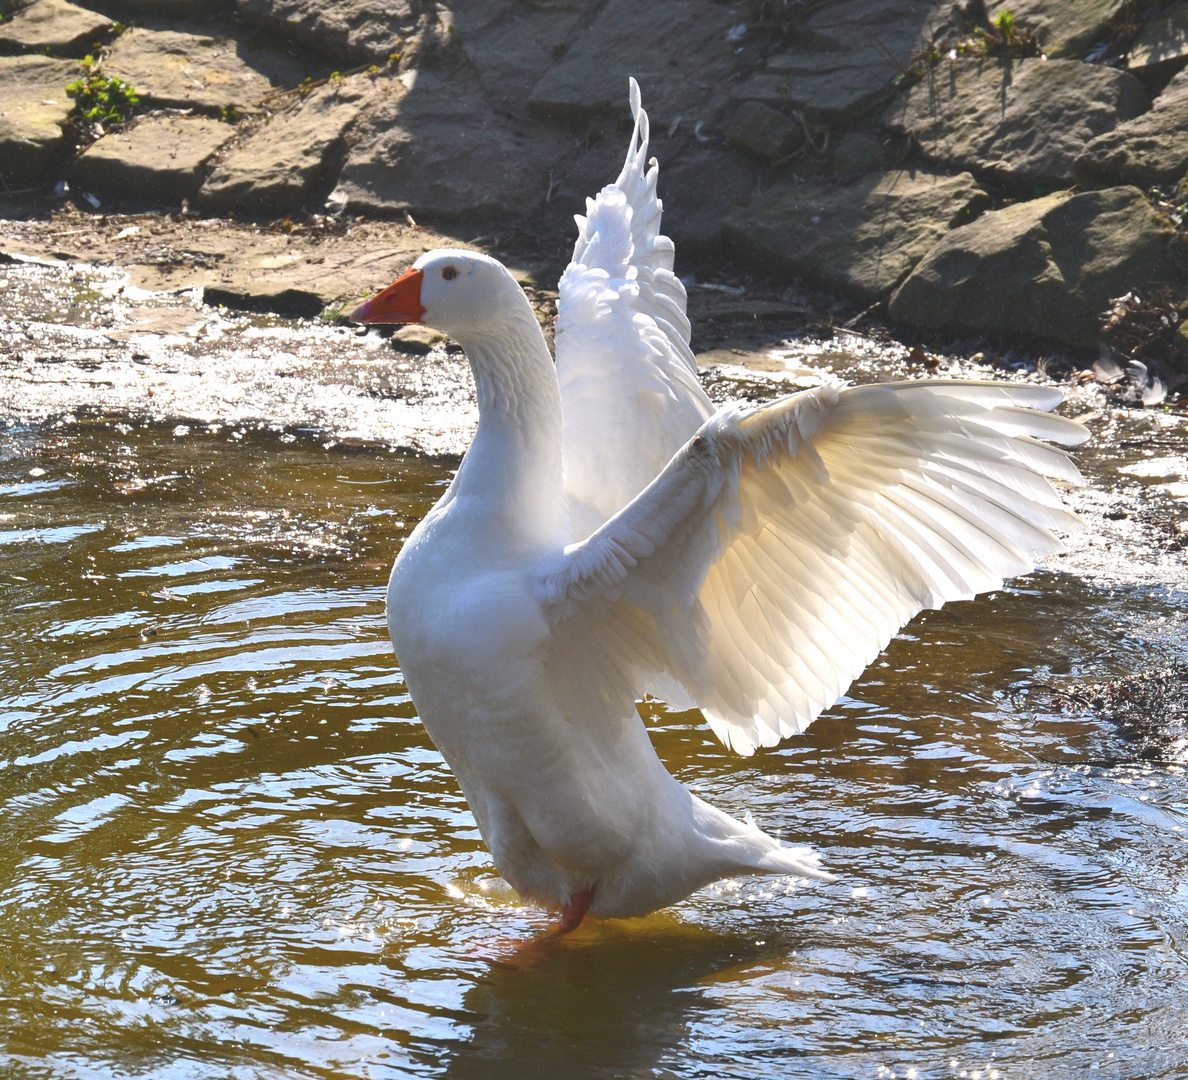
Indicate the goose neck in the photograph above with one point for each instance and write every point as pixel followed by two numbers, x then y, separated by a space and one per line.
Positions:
pixel 514 377
pixel 514 462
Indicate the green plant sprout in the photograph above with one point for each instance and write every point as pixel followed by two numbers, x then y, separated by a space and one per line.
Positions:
pixel 1005 25
pixel 99 99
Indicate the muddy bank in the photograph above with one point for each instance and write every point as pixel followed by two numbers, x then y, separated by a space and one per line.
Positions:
pixel 298 270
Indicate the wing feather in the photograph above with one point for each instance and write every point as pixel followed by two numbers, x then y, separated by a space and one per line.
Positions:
pixel 776 554
pixel 629 389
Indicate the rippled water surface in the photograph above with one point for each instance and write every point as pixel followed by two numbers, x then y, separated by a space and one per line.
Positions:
pixel 229 850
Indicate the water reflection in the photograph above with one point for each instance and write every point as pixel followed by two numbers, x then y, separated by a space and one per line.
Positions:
pixel 228 849
pixel 618 1001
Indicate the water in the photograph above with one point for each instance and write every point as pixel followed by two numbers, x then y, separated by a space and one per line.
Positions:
pixel 230 851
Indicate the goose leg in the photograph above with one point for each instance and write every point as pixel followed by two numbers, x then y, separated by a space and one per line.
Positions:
pixel 573 912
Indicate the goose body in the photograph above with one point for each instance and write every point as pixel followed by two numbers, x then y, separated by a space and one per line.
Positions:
pixel 609 534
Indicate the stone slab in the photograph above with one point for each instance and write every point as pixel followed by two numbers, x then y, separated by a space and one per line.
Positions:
pixel 279 165
pixel 293 303
pixel 850 24
pixel 1163 40
pixel 177 70
pixel 836 88
pixel 417 340
pixel 430 145
pixel 1020 122
pixel 191 10
pixel 160 159
pixel 1042 270
pixel 860 240
pixel 354 31
pixel 700 187
pixel 858 152
pixel 33 107
pixel 763 132
pixel 511 45
pixel 677 50
pixel 54 27
pixel 855 48
pixel 1150 149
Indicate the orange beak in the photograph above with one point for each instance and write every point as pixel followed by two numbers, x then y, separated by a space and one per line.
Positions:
pixel 400 302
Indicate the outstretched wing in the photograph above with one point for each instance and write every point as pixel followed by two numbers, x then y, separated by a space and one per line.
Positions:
pixel 784 545
pixel 629 389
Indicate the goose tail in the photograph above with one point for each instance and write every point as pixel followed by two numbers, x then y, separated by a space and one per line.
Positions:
pixel 741 847
pixel 801 861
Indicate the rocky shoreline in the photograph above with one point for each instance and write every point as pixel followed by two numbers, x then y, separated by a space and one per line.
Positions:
pixel 1000 172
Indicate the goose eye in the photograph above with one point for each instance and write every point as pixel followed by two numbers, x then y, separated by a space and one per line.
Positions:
pixel 449 273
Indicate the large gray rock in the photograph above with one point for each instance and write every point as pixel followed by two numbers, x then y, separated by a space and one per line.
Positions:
pixel 1044 269
pixel 1150 149
pixel 54 27
pixel 33 107
pixel 508 44
pixel 834 87
pixel 161 158
pixel 861 240
pixel 355 31
pixel 700 186
pixel 1021 121
pixel 172 69
pixel 1161 41
pixel 892 28
pixel 858 152
pixel 676 49
pixel 279 166
pixel 511 45
pixel 763 132
pixel 1065 28
pixel 428 143
pixel 192 10
pixel 851 53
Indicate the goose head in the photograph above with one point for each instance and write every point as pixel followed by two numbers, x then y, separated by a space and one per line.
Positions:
pixel 461 293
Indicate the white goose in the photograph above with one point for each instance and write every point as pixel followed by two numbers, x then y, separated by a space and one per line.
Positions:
pixel 609 534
